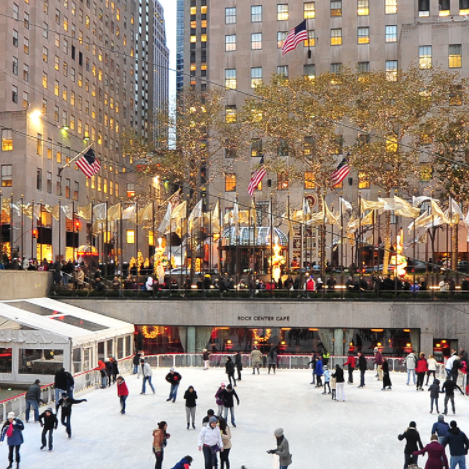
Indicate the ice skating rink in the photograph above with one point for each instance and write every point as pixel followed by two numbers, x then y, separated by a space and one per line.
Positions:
pixel 360 433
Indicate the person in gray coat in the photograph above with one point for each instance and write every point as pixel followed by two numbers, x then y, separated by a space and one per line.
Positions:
pixel 256 360
pixel 33 399
pixel 282 450
pixel 272 359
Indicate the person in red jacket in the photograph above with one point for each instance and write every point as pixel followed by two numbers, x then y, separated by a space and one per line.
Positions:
pixel 122 392
pixel 421 369
pixel 102 370
pixel 351 366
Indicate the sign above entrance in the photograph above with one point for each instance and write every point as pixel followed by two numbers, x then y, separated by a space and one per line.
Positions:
pixel 264 318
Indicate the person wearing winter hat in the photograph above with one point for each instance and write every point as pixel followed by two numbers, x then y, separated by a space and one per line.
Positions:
pixel 210 442
pixel 440 428
pixel 282 450
pixel 184 463
pixel 49 422
pixel 219 400
pixel 413 443
pixel 458 445
pixel 174 379
pixel 13 430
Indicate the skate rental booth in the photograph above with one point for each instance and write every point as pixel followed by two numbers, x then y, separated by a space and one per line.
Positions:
pixel 40 336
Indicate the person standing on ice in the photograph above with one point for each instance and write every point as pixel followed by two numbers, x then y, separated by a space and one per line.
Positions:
pixel 340 383
pixel 256 360
pixel 440 428
pixel 239 364
pixel 410 363
pixel 282 450
pixel 190 397
pixel 319 371
pixel 230 370
pixel 122 392
pixel 362 367
pixel 421 368
pixel 313 367
pixel 174 379
pixel 145 370
pixel 386 376
pixel 49 422
pixel 327 379
pixel 219 400
pixel 210 442
pixel 228 396
pixel 351 366
pixel 66 416
pixel 13 430
pixel 160 437
pixel 413 443
pixel 206 358
pixel 436 454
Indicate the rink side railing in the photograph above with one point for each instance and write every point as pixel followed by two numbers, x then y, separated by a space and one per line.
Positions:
pixel 86 380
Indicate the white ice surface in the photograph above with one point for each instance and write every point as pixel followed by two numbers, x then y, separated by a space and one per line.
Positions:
pixel 360 433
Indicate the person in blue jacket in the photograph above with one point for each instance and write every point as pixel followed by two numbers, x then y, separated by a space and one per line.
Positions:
pixel 184 463
pixel 13 430
pixel 319 372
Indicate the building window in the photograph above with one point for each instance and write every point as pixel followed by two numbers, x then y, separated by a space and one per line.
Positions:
pixel 39 179
pixel 336 68
pixel 230 182
pixel 256 13
pixel 363 35
pixel 7 175
pixel 444 7
pixel 363 7
pixel 67 188
pixel 282 182
pixel 230 43
pixel 281 36
pixel 309 180
pixel 14 94
pixel 130 236
pixel 230 78
pixel 39 144
pixel 309 70
pixel 455 56
pixel 25 72
pixel 311 41
pixel 130 189
pixel 363 67
pixel 309 10
pixel 256 147
pixel 363 182
pixel 230 15
pixel 455 95
pixel 336 8
pixel 15 66
pixel 424 7
pixel 59 185
pixel 391 33
pixel 49 183
pixel 336 37
pixel 26 45
pixel 391 70
pixel 15 38
pixel 16 12
pixel 7 140
pixel 25 100
pixel 425 57
pixel 464 7
pixel 282 12
pixel 45 54
pixel 426 172
pixel 256 41
pixel 282 70
pixel 282 147
pixel 390 7
pixel 230 114
pixel 256 76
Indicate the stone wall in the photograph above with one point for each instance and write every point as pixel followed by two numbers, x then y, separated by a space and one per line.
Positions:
pixel 24 284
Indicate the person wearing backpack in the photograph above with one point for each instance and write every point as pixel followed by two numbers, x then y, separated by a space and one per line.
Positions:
pixel 410 363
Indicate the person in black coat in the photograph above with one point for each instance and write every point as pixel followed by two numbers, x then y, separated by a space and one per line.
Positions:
pixel 136 362
pixel 230 369
pixel 49 423
pixel 108 364
pixel 190 396
pixel 362 367
pixel 239 364
pixel 227 396
pixel 70 384
pixel 313 367
pixel 115 369
pixel 60 384
pixel 386 377
pixel 413 443
pixel 66 403
pixel 174 379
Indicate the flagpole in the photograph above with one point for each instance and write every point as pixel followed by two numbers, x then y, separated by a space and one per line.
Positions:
pixel 107 242
pixel 32 228
pixel 301 248
pixel 76 157
pixel 220 218
pixel 60 228
pixel 121 257
pixel 251 264
pixel 359 249
pixel 136 245
pixel 271 246
pixel 12 226
pixel 22 230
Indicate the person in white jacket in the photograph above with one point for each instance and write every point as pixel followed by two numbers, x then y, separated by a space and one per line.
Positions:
pixel 145 370
pixel 209 439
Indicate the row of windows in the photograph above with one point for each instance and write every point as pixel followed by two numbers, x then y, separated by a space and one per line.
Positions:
pixel 454 56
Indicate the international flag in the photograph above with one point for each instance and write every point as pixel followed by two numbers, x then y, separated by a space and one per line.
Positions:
pixel 340 173
pixel 89 164
pixel 257 178
pixel 295 36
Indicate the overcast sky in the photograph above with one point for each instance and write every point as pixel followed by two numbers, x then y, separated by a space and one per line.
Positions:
pixel 170 10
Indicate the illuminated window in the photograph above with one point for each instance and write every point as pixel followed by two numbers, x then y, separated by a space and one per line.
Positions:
pixel 282 12
pixel 230 43
pixel 7 175
pixel 45 54
pixel 391 33
pixel 281 36
pixel 193 10
pixel 26 45
pixel 308 146
pixel 256 76
pixel 309 10
pixel 256 13
pixel 130 236
pixel 309 180
pixel 230 114
pixel 336 8
pixel 256 41
pixel 363 35
pixel 130 192
pixel 282 182
pixel 25 72
pixel 425 57
pixel 363 7
pixel 203 9
pixel 230 15
pixel 455 56
pixel 311 41
pixel 391 145
pixel 391 70
pixel 363 182
pixel 230 182
pixel 7 140
pixel 425 172
pixel 230 78
pixel 336 37
pixel 390 7
pixel 256 147
pixel 44 80
pixel 57 63
pixel 444 7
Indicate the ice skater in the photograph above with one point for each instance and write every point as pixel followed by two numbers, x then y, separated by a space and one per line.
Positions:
pixel 319 371
pixel 272 359
pixel 340 383
pixel 362 367
pixel 219 400
pixel 448 388
pixel 65 418
pixel 436 454
pixel 228 396
pixel 191 397
pixel 160 438
pixel 239 364
pixel 33 399
pixel 226 438
pixel 145 370
pixel 413 443
pixel 434 390
pixel 49 423
pixel 13 430
pixel 440 428
pixel 282 450
pixel 209 440
pixel 431 364
pixel 174 379
pixel 122 392
pixel 351 366
pixel 386 376
pixel 327 379
pixel 256 360
pixel 313 367
pixel 333 386
pixel 184 463
pixel 206 358
pixel 421 368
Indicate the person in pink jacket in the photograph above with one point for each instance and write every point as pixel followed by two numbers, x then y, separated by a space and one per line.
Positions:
pixel 421 369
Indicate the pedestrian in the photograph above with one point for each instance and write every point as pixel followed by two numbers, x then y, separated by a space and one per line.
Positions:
pixel 362 367
pixel 114 370
pixel 256 360
pixel 103 372
pixel 190 396
pixel 319 371
pixel 378 361
pixel 313 367
pixel 434 394
pixel 66 403
pixel 122 392
pixel 431 364
pixel 136 361
pixel 174 379
pixel 70 383
pixel 160 439
pixel 145 370
pixel 410 363
pixel 60 384
pixel 228 396
pixel 219 400
pixel 413 443
pixel 351 366
pixel 33 399
pixel 327 379
pixel 455 368
pixel 230 369
pixel 421 369
pixel 206 358
pixel 386 376
pixel 333 386
pixel 436 454
pixel 210 442
pixel 109 368
pixel 226 438
pixel 184 463
pixel 49 423
pixel 13 430
pixel 449 362
pixel 239 364
pixel 448 388
pixel 458 446
pixel 282 450
pixel 325 355
pixel 272 359
pixel 340 383
pixel 205 420
pixel 440 428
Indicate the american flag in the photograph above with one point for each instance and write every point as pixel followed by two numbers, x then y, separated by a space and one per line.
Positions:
pixel 89 164
pixel 340 173
pixel 257 178
pixel 295 36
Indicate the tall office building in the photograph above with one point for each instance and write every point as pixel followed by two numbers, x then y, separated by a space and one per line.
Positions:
pixel 73 72
pixel 160 86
